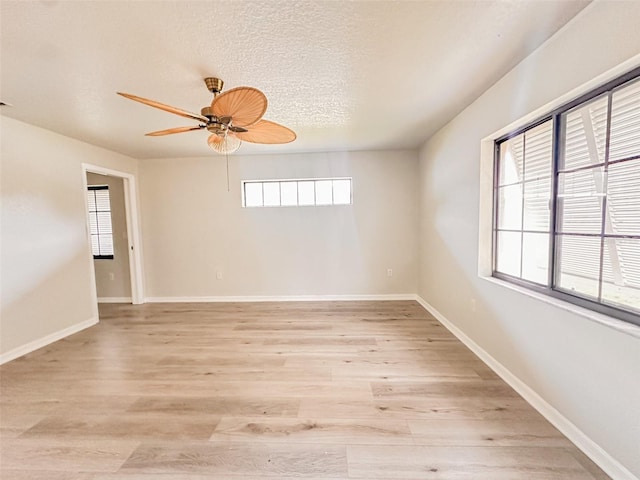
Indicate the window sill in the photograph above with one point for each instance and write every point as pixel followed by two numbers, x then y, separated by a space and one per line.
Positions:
pixel 614 323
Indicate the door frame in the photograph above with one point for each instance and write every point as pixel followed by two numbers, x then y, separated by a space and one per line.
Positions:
pixel 133 231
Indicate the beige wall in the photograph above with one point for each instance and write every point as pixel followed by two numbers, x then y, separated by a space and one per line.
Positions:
pixel 193 227
pixel 113 279
pixel 589 372
pixel 45 255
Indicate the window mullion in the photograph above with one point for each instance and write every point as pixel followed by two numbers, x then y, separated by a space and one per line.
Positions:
pixel 496 201
pixel 605 184
pixel 524 179
pixel 557 151
pixel 98 227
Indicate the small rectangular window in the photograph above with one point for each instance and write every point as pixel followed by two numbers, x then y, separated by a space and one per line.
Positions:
pixel 100 222
pixel 288 193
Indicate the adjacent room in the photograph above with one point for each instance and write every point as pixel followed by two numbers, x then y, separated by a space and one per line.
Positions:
pixel 320 239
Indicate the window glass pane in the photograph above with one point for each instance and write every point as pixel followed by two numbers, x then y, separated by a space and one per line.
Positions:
pixel 510 207
pixel 538 159
pixel 621 276
pixel 511 160
pixel 94 245
pixel 625 122
pixel 102 200
pixel 288 193
pixel 324 192
pixel 93 223
pixel 271 192
pixel 579 264
pixel 535 257
pixel 104 222
pixel 611 264
pixel 585 137
pixel 253 194
pixel 106 244
pixel 306 193
pixel 341 192
pixel 580 197
pixel 623 198
pixel 508 253
pixel 91 201
pixel 537 199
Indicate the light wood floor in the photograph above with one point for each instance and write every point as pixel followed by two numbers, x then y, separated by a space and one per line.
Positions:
pixel 353 390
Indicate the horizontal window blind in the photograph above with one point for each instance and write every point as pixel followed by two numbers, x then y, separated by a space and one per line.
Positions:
pixel 100 221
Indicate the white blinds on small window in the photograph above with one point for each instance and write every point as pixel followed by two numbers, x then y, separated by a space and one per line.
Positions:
pixel 100 221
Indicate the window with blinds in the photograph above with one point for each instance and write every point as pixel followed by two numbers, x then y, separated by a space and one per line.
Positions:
pixel 292 193
pixel 100 222
pixel 567 202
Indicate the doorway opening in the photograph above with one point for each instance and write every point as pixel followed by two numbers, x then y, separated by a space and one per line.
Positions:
pixel 113 233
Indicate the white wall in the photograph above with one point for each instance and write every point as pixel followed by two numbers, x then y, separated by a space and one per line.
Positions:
pixel 193 227
pixel 113 279
pixel 46 285
pixel 589 372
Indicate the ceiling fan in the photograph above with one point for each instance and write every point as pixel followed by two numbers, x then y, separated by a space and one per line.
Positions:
pixel 233 117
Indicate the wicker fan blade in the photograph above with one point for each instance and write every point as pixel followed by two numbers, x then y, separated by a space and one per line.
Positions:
pixel 166 108
pixel 245 105
pixel 267 132
pixel 171 131
pixel 224 144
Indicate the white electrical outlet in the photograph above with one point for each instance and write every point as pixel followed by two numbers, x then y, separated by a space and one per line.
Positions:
pixel 219 274
pixel 111 276
pixel 472 304
pixel 389 272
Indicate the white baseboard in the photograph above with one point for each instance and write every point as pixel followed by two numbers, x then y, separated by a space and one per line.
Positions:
pixel 44 341
pixel 595 452
pixel 114 300
pixel 281 298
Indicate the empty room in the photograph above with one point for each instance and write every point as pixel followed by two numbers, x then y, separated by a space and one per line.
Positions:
pixel 320 240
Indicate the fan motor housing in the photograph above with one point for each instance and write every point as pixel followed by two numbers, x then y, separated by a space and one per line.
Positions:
pixel 217 128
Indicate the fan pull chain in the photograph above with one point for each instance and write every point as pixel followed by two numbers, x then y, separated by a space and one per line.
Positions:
pixel 226 152
pixel 228 187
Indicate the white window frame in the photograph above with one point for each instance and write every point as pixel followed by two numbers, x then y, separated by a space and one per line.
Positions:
pixel 297 180
pixel 486 201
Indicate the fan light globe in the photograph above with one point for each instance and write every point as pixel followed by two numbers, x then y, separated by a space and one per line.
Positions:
pixel 223 145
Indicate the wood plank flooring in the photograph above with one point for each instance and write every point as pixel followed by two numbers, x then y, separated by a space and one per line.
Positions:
pixel 326 390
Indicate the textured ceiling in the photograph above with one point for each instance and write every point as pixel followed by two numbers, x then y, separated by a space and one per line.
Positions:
pixel 344 75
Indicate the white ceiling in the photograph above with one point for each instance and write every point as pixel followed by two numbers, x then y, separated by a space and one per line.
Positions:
pixel 345 75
